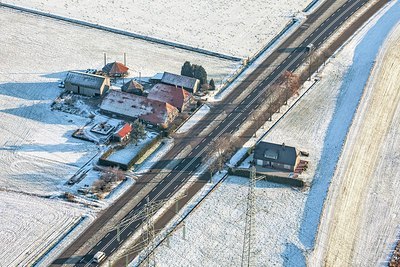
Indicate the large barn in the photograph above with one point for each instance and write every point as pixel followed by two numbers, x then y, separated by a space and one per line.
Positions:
pixel 187 83
pixel 278 156
pixel 133 106
pixel 86 84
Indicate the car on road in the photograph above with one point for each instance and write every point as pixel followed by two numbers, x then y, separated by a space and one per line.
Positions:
pixel 99 256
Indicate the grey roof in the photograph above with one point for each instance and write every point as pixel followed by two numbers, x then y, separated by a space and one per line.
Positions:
pixel 179 80
pixel 279 153
pixel 84 79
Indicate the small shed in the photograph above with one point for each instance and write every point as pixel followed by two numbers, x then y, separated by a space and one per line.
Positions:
pixel 279 156
pixel 132 87
pixel 86 84
pixel 123 133
pixel 188 83
pixel 115 69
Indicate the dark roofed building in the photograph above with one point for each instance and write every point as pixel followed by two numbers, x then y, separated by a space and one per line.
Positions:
pixel 170 94
pixel 277 156
pixel 132 87
pixel 86 84
pixel 187 83
pixel 115 69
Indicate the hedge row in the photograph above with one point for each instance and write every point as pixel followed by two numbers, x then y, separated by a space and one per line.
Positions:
pixel 105 162
pixel 270 178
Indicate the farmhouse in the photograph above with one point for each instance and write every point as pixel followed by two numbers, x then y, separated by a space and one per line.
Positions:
pixel 188 83
pixel 123 133
pixel 172 95
pixel 86 84
pixel 115 69
pixel 277 156
pixel 132 87
pixel 134 106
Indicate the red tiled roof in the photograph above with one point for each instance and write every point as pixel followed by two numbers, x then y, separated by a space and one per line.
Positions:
pixel 125 130
pixel 115 68
pixel 172 95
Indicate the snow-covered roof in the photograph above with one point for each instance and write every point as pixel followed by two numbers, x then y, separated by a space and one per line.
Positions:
pixel 85 79
pixel 175 96
pixel 179 80
pixel 135 106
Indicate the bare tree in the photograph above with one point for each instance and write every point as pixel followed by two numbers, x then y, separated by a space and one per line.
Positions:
pixel 221 148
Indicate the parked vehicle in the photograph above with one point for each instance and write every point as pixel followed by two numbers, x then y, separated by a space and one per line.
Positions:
pixel 99 256
pixel 61 84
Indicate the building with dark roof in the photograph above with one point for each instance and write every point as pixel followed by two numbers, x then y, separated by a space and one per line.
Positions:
pixel 187 83
pixel 132 87
pixel 86 84
pixel 279 156
pixel 115 69
pixel 170 94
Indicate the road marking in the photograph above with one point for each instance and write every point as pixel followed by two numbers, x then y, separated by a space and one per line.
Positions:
pixel 237 116
pixel 196 147
pixel 98 243
pixel 109 232
pixel 175 186
pixel 137 225
pixel 113 249
pixel 130 233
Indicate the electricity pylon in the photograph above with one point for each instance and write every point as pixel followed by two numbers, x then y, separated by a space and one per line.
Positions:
pixel 146 215
pixel 247 253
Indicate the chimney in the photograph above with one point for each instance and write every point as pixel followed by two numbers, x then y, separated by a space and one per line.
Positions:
pixel 105 58
pixel 125 59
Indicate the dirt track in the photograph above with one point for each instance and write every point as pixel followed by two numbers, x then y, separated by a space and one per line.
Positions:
pixel 360 222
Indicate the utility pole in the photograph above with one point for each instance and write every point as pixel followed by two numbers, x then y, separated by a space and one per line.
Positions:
pixel 150 210
pixel 145 215
pixel 248 253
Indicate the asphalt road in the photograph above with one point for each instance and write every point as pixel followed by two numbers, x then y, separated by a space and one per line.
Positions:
pixel 236 115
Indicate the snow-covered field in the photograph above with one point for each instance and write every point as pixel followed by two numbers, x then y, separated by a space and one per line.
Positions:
pixel 37 153
pixel 239 28
pixel 286 219
pixel 361 218
pixel 31 224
